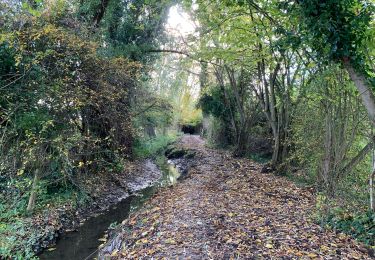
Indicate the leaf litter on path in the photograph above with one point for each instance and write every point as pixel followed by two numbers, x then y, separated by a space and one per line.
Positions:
pixel 227 209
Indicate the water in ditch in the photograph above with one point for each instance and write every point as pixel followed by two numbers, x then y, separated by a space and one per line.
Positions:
pixel 83 243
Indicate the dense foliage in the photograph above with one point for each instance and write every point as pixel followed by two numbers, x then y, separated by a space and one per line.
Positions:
pixel 70 106
pixel 130 28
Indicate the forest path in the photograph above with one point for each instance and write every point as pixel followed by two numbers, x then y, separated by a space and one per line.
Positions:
pixel 228 209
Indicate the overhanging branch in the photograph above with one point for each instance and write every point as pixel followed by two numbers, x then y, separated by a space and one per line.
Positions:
pixel 188 55
pixel 359 157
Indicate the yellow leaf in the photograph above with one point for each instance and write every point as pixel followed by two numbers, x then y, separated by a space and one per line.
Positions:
pixel 20 172
pixel 170 241
pixel 115 253
pixel 312 255
pixel 269 245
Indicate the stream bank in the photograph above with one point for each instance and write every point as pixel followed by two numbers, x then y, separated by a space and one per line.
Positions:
pixel 103 191
pixel 140 186
pixel 176 168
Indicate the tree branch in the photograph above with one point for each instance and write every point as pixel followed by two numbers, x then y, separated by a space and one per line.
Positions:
pixel 359 157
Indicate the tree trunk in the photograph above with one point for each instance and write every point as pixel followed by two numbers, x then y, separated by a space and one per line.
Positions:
pixel 220 80
pixel 279 153
pixel 372 202
pixel 368 101
pixel 358 158
pixel 203 76
pixel 150 131
pixel 326 168
pixel 276 149
pixel 100 11
pixel 242 139
pixel 32 198
pixel 365 91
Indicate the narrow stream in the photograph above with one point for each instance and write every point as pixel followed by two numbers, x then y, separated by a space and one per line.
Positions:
pixel 83 243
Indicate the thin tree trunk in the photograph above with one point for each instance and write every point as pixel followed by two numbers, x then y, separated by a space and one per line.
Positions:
pixel 279 149
pixel 234 86
pixel 285 144
pixel 150 131
pixel 276 149
pixel 100 11
pixel 32 198
pixel 203 75
pixel 372 202
pixel 275 122
pixel 358 158
pixel 327 160
pixel 242 139
pixel 219 78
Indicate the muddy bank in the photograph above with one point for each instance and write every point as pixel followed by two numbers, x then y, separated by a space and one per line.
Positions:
pixel 104 190
pixel 179 160
pixel 180 157
pixel 128 193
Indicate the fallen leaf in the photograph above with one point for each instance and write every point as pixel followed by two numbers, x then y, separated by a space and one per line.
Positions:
pixel 312 255
pixel 269 245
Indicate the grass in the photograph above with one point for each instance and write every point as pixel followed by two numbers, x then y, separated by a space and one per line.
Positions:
pixel 146 148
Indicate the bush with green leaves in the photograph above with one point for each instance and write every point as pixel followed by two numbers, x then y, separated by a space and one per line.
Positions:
pixel 63 107
pixel 64 114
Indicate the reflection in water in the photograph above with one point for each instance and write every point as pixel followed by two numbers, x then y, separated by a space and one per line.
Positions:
pixel 83 244
pixel 173 173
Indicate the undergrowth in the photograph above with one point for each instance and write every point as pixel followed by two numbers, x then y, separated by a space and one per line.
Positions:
pixel 151 147
pixel 341 213
pixel 301 179
pixel 258 158
pixel 359 224
pixel 20 233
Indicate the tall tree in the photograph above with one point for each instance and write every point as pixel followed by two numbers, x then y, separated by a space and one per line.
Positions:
pixel 129 27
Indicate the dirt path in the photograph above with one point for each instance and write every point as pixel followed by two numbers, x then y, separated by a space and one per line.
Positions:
pixel 227 209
